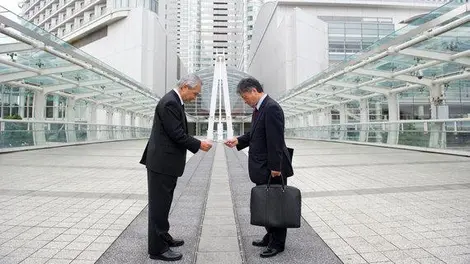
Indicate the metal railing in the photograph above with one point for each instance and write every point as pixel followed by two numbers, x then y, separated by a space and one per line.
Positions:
pixel 440 134
pixel 26 133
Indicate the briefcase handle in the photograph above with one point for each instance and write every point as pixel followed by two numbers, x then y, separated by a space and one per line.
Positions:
pixel 283 185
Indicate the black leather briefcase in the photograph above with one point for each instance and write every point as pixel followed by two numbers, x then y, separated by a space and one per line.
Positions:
pixel 275 205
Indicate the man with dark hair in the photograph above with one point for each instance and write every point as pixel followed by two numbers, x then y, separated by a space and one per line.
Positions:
pixel 165 159
pixel 267 153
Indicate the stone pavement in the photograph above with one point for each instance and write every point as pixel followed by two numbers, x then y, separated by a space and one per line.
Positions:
pixel 68 204
pixel 185 217
pixel 86 204
pixel 303 245
pixel 219 241
pixel 382 205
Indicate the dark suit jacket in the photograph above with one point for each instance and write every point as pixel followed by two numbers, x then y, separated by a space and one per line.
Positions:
pixel 166 149
pixel 267 145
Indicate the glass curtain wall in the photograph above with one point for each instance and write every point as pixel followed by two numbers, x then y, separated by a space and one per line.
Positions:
pixel 349 35
pixel 18 102
pixel 15 102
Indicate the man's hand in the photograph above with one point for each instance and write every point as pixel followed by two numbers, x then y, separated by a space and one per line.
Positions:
pixel 231 142
pixel 205 145
pixel 275 173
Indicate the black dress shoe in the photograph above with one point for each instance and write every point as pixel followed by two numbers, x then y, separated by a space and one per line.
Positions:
pixel 172 242
pixel 175 243
pixel 260 243
pixel 270 252
pixel 168 255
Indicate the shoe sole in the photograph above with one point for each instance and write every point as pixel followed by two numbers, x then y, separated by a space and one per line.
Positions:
pixel 259 245
pixel 165 259
pixel 263 256
pixel 268 256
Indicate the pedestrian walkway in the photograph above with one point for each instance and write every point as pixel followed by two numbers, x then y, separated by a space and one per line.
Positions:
pixel 186 217
pixel 361 204
pixel 219 240
pixel 303 245
pixel 372 204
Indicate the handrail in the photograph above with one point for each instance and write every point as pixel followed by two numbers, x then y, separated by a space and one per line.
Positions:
pixel 467 119
pixel 63 122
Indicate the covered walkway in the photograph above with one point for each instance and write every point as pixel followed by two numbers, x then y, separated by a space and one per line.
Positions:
pixel 361 204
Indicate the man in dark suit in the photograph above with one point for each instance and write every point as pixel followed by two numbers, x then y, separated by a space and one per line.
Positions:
pixel 165 159
pixel 267 150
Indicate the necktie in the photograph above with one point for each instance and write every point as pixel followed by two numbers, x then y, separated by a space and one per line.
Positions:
pixel 185 121
pixel 255 115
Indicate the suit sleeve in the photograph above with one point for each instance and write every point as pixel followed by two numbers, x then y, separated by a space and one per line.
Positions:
pixel 243 141
pixel 274 136
pixel 173 126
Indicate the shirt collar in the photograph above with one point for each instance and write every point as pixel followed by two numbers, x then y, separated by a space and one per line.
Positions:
pixel 178 93
pixel 258 105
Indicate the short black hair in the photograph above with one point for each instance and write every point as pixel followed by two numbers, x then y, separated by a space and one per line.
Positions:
pixel 246 84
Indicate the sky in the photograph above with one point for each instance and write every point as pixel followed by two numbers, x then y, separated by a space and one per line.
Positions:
pixel 12 5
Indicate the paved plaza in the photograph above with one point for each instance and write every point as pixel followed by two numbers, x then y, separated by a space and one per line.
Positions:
pixel 361 204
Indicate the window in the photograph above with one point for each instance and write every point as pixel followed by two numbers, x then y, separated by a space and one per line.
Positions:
pixel 121 3
pixel 154 6
pixel 56 106
pixel 352 34
pixel 9 101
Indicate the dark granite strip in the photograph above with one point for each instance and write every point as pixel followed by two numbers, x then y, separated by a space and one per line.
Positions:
pixel 185 218
pixel 405 189
pixel 303 245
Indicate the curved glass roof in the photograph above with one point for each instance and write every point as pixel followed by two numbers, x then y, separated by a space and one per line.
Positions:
pixel 432 50
pixel 32 58
pixel 200 107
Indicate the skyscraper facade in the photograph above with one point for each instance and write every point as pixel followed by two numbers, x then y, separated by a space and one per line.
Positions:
pixel 251 10
pixel 201 29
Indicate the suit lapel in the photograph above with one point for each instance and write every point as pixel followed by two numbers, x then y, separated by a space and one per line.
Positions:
pixel 261 112
pixel 183 114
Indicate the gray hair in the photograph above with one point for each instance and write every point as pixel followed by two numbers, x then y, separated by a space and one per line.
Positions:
pixel 191 80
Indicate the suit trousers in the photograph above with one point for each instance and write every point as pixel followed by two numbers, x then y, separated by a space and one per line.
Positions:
pixel 160 194
pixel 275 236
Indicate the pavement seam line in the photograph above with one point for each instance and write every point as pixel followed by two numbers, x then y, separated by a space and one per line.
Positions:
pixel 219 179
pixel 237 221
pixel 203 209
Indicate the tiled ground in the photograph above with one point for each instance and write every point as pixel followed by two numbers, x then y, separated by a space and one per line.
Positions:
pixel 379 205
pixel 67 205
pixel 369 204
